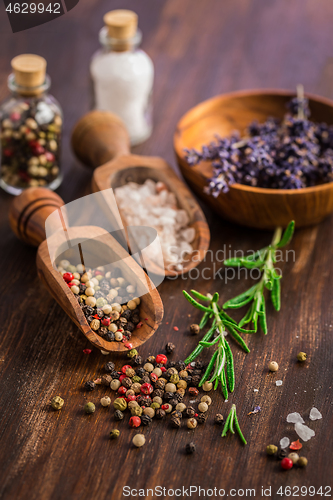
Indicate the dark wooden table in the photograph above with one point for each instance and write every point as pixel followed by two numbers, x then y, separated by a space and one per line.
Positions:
pixel 200 48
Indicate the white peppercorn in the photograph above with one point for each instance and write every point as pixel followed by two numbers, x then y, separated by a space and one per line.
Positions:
pixel 115 384
pixel 131 304
pixel 273 366
pixel 90 301
pixel 118 336
pixel 206 399
pixel 170 387
pixel 191 423
pixel 148 367
pixel 158 400
pixel 149 411
pixel 158 371
pixel 106 401
pixel 181 407
pixel 107 309
pixel 207 386
pixel 139 440
pixel 203 407
pixel 112 327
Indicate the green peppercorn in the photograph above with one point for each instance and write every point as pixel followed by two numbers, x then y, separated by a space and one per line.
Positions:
pixel 155 406
pixel 120 404
pixel 89 408
pixel 57 403
pixel 174 379
pixel 136 379
pixel 114 434
pixel 301 356
pixel 132 353
pixel 136 411
pixel 271 449
pixel 302 462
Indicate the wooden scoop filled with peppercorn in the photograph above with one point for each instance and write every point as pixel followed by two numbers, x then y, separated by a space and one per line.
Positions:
pixel 101 140
pixel 115 306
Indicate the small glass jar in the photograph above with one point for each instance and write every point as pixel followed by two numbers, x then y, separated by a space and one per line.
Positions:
pixel 30 128
pixel 123 74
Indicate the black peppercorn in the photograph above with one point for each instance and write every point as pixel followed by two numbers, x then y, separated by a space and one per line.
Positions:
pixel 115 375
pixel 199 365
pixel 98 295
pixel 195 380
pixel 171 364
pixel 150 359
pixel 126 382
pixel 159 413
pixel 189 412
pixel 176 414
pixel 170 347
pixel 127 314
pixel 188 379
pixel 146 420
pixel 82 289
pixel 180 365
pixel 160 384
pixel 118 415
pixel 196 372
pixel 218 419
pixel 130 326
pixel 190 448
pixel 141 372
pixel 145 380
pixel 175 422
pixel 103 331
pixel 158 392
pixel 109 367
pixel 109 337
pixel 178 396
pixel 136 361
pixel 173 402
pixel 89 385
pixel 106 380
pixel 201 418
pixel 135 319
pixel 167 396
pixel 281 454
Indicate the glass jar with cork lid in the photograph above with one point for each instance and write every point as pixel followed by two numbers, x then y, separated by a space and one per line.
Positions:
pixel 30 128
pixel 123 74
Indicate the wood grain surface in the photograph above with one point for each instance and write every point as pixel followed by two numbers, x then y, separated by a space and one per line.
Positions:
pixel 200 49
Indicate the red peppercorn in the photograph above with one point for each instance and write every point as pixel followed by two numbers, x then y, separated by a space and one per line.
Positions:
pixel 121 378
pixel 49 156
pixel 125 367
pixel 146 388
pixel 163 369
pixel 153 377
pixel 106 321
pixel 86 351
pixel 193 391
pixel 122 390
pixel 15 116
pixel 135 422
pixel 70 284
pixel 176 328
pixel 286 463
pixel 161 359
pixel 128 345
pixel 139 325
pixel 131 397
pixel 68 277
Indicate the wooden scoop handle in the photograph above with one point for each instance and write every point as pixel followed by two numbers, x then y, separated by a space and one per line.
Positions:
pixel 29 211
pixel 98 137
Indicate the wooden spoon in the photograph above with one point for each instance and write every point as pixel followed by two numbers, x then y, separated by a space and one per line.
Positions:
pixel 27 216
pixel 100 138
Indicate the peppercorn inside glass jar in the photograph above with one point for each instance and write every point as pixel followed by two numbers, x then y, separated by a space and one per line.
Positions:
pixel 30 128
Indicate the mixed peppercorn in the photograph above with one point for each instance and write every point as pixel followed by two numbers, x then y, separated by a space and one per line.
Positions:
pixel 30 142
pixel 107 300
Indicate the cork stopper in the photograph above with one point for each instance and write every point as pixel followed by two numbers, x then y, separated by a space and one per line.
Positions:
pixel 122 24
pixel 29 72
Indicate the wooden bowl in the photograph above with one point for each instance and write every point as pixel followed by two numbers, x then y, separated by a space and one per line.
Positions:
pixel 250 206
pixel 100 140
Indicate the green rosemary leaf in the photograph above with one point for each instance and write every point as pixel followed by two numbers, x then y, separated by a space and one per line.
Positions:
pixel 195 303
pixel 215 297
pixel 287 235
pixel 209 369
pixel 233 262
pixel 248 264
pixel 226 426
pixel 208 344
pixel 238 429
pixel 231 423
pixel 204 320
pixel 200 296
pixel 230 368
pixel 241 299
pixel 276 295
pixel 262 317
pixel 224 385
pixel 224 315
pixel 248 316
pixel 237 327
pixel 238 338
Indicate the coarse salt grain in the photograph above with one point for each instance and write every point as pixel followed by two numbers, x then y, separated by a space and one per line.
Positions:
pixel 304 432
pixel 295 418
pixel 315 414
pixel 152 204
pixel 278 383
pixel 284 442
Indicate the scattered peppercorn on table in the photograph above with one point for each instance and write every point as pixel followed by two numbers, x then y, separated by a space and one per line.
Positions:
pixel 65 433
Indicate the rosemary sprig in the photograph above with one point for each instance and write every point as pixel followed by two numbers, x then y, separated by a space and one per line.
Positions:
pixel 263 260
pixel 230 422
pixel 221 366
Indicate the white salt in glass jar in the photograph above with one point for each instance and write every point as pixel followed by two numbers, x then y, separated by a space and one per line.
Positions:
pixel 123 74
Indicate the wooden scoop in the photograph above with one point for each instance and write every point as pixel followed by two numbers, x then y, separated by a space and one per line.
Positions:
pixel 27 217
pixel 100 138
